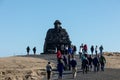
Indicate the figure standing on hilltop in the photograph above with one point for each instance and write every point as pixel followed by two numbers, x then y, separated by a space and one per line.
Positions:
pixel 96 49
pixel 101 49
pixel 34 50
pixel 85 48
pixel 74 49
pixel 28 50
pixel 81 51
pixel 49 71
pixel 92 49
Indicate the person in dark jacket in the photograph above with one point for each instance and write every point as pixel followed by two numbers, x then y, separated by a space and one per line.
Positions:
pixel 85 64
pixel 85 48
pixel 95 63
pixel 102 62
pixel 34 50
pixel 60 68
pixel 28 50
pixel 49 71
pixel 73 64
pixel 101 49
pixel 92 49
pixel 90 60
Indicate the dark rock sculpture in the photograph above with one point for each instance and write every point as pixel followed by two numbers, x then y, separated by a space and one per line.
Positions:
pixel 55 38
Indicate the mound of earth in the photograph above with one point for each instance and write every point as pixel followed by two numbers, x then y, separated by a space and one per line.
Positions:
pixel 22 68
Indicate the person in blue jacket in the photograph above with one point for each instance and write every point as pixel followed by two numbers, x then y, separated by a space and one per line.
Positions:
pixel 60 68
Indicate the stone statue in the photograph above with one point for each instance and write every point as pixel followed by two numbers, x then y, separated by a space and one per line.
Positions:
pixel 56 37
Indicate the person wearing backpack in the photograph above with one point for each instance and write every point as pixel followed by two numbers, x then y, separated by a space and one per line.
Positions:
pixel 73 64
pixel 49 71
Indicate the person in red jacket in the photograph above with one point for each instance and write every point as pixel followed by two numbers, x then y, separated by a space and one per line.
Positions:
pixel 85 48
pixel 59 55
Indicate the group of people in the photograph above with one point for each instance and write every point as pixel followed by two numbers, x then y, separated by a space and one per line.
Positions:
pixel 92 63
pixel 66 60
pixel 28 50
pixel 84 49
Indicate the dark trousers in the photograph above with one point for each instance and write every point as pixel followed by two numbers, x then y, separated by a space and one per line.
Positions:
pixel 60 74
pixel 48 75
pixel 96 68
pixel 102 66
pixel 85 68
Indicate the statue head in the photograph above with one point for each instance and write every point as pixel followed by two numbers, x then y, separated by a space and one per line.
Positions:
pixel 57 24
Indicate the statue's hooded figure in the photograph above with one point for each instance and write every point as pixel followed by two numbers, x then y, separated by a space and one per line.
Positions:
pixel 56 37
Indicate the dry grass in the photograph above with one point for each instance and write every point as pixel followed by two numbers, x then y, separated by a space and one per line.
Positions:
pixel 21 68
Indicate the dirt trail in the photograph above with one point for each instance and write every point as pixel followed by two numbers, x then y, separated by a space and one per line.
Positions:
pixel 112 71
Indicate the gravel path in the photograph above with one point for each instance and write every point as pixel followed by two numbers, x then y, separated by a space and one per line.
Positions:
pixel 108 74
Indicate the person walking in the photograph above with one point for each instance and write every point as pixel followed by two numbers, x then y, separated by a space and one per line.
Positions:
pixel 60 68
pixel 85 64
pixel 34 50
pixel 28 50
pixel 92 49
pixel 90 60
pixel 73 64
pixel 59 55
pixel 102 62
pixel 49 71
pixel 95 63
